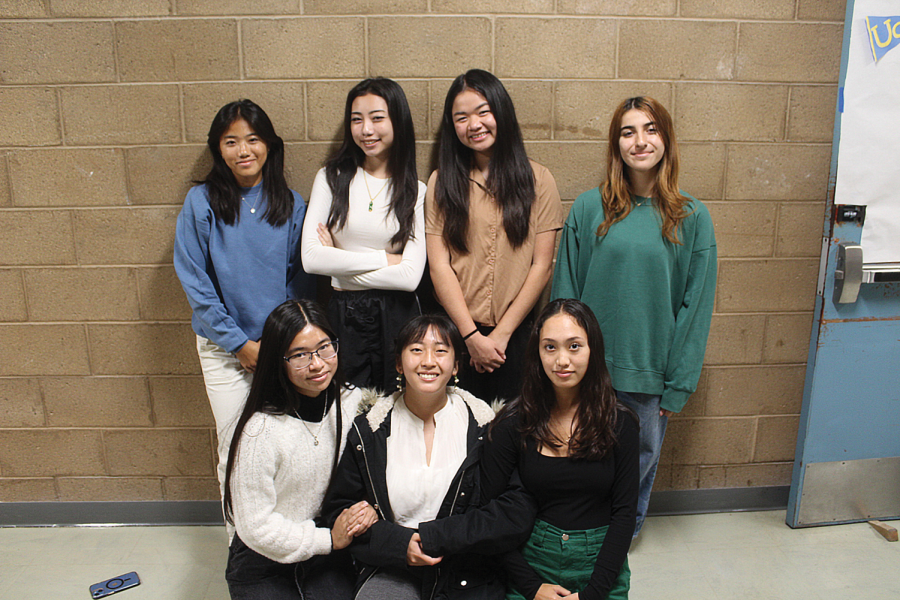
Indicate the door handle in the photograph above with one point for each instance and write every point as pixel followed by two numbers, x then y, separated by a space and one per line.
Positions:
pixel 848 273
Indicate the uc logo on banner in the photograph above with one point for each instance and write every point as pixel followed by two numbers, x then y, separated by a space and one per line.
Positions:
pixel 882 35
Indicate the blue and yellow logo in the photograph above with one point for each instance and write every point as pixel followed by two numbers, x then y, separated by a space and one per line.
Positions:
pixel 884 34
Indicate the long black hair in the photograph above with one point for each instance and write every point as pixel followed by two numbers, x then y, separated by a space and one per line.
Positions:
pixel 510 177
pixel 404 186
pixel 272 391
pixel 597 412
pixel 222 187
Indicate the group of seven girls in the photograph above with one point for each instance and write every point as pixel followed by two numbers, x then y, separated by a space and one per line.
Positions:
pixel 432 491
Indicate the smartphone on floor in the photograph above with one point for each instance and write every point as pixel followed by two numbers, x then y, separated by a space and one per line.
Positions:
pixel 116 584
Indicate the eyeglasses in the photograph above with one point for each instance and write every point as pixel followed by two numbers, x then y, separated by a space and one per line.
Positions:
pixel 302 360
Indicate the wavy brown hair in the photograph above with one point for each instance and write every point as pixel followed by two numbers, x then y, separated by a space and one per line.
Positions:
pixel 617 191
pixel 598 407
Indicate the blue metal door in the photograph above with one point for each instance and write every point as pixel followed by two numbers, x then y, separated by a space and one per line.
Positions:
pixel 847 462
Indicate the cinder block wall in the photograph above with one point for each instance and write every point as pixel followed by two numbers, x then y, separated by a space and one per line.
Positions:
pixel 105 105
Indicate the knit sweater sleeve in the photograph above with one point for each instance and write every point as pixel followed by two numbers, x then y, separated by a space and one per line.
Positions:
pixel 192 233
pixel 693 318
pixel 258 521
pixel 406 275
pixel 326 260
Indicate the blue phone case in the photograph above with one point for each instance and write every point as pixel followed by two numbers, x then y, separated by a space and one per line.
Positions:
pixel 116 584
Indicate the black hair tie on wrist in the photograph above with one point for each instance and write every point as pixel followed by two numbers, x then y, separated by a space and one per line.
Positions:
pixel 465 337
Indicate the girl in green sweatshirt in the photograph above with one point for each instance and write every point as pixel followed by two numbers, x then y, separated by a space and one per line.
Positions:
pixel 642 254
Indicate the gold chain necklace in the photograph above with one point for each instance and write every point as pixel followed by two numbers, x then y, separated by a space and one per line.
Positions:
pixel 368 191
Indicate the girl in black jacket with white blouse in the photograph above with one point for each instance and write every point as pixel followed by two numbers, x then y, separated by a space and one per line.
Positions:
pixel 415 457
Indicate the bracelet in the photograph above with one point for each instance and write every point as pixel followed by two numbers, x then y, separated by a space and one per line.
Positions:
pixel 465 337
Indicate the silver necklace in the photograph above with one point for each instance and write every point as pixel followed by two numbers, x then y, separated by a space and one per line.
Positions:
pixel 322 422
pixel 255 200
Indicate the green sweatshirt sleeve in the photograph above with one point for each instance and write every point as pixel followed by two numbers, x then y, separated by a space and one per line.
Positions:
pixel 565 278
pixel 568 274
pixel 693 318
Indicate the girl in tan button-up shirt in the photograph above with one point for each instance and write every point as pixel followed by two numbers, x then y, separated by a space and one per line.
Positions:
pixel 491 217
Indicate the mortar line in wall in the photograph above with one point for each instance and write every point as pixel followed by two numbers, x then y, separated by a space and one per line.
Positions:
pixel 181 113
pixel 151 405
pixel 116 51
pixel 788 114
pixel 4 171
pixel 103 322
pixel 737 47
pixel 754 437
pixel 25 294
pixel 87 348
pixel 673 98
pixel 493 20
pixel 62 117
pixel 239 26
pixel 366 62
pixel 553 92
pixel 764 313
pixel 744 259
pixel 723 192
pixel 753 366
pixel 103 454
pixel 125 146
pixel 612 79
pixel 305 88
pixel 44 409
pixel 283 17
pixel 778 205
pixel 616 56
pixel 91 266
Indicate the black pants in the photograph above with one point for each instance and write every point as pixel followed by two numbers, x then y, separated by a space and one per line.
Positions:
pixel 367 323
pixel 506 382
pixel 252 576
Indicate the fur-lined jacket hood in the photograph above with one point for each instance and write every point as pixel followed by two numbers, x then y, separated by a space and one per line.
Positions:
pixel 376 407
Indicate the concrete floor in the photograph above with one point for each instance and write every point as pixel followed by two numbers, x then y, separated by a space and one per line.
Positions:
pixel 746 556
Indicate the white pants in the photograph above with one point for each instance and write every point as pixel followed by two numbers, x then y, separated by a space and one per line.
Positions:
pixel 227 385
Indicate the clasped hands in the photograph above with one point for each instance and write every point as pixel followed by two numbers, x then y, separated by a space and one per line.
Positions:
pixel 352 522
pixel 488 352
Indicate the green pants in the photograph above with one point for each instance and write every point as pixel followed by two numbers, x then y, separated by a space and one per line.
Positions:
pixel 567 558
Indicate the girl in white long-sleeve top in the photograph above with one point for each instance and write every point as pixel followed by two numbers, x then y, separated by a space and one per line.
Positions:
pixel 365 229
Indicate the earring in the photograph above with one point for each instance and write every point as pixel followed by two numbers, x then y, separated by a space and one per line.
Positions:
pixel 400 380
pixel 455 381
